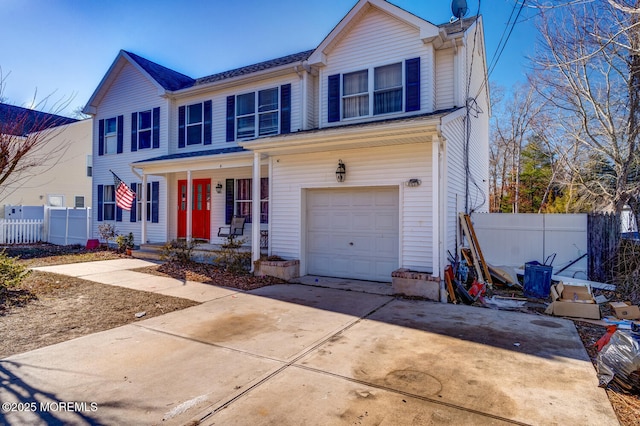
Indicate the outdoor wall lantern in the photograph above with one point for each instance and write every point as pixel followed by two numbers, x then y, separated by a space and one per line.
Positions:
pixel 341 171
pixel 219 188
pixel 413 182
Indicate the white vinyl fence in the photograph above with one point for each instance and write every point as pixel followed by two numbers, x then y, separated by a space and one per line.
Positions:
pixel 514 239
pixel 21 231
pixel 61 226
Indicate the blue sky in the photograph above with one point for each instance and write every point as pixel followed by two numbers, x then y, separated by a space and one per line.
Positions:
pixel 63 48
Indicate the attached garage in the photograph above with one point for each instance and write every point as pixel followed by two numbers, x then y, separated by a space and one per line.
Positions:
pixel 352 232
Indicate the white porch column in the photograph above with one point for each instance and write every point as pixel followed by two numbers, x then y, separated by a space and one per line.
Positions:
pixel 143 213
pixel 189 209
pixel 255 210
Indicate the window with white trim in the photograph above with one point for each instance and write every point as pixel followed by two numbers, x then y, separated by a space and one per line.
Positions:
pixel 194 124
pixel 380 91
pixel 144 129
pixel 111 136
pixel 257 113
pixel 79 202
pixel 108 203
pixel 243 197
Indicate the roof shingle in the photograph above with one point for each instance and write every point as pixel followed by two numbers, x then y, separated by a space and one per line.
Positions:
pixel 19 121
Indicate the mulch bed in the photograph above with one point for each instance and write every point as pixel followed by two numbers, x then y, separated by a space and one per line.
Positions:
pixel 209 274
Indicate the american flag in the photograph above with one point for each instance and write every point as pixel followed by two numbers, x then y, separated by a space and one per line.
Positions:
pixel 124 194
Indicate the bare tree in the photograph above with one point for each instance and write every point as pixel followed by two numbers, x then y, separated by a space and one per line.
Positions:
pixel 26 147
pixel 516 118
pixel 588 69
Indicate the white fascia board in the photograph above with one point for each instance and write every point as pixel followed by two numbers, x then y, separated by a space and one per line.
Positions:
pixel 207 162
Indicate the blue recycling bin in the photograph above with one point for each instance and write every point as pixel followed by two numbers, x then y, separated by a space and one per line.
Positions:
pixel 537 280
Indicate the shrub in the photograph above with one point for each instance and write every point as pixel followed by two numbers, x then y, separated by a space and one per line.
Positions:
pixel 179 251
pixel 124 242
pixel 231 258
pixel 107 232
pixel 11 272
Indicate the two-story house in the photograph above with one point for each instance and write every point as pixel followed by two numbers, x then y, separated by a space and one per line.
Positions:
pixel 355 156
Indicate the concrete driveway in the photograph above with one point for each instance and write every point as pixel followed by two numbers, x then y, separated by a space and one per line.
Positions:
pixel 307 355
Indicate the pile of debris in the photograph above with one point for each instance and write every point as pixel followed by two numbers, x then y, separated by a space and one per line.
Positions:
pixel 471 280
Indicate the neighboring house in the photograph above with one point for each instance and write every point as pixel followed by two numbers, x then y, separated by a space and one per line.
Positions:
pixel 400 102
pixel 61 175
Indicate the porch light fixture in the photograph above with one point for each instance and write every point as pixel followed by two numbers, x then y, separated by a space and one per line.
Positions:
pixel 219 188
pixel 413 182
pixel 341 171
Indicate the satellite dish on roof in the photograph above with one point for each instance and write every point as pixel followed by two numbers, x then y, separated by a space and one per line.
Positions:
pixel 459 8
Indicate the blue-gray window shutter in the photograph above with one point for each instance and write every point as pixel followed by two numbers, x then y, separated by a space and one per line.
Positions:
pixel 229 201
pixel 120 134
pixel 181 127
pixel 285 108
pixel 155 202
pixel 100 200
pixel 333 103
pixel 134 132
pixel 231 118
pixel 412 89
pixel 208 119
pixel 133 213
pixel 156 127
pixel 101 138
pixel 118 214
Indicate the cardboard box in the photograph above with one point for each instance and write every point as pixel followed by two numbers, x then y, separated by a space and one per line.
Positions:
pixel 625 310
pixel 572 301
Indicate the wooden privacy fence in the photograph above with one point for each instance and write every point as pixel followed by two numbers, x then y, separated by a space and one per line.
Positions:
pixel 21 231
pixel 604 239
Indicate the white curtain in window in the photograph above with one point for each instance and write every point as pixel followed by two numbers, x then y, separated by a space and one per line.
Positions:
pixel 388 89
pixel 356 96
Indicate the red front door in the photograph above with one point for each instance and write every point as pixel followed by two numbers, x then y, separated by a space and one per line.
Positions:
pixel 200 209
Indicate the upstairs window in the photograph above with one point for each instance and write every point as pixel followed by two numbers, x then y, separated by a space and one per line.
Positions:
pixel 145 129
pixel 387 95
pixel 194 124
pixel 355 94
pixel 386 89
pixel 110 137
pixel 261 113
pixel 257 110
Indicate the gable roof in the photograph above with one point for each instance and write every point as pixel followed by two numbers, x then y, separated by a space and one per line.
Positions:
pixel 19 121
pixel 166 77
pixel 427 29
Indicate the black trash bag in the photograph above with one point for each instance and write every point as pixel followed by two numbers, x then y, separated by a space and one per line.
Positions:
pixel 618 362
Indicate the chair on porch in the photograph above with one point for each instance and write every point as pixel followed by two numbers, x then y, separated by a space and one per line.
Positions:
pixel 235 229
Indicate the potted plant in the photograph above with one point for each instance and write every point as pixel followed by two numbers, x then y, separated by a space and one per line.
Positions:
pixel 125 243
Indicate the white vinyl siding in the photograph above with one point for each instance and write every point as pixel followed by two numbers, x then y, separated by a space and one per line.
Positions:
pixel 445 79
pixel 292 175
pixel 129 92
pixel 378 39
pixel 219 110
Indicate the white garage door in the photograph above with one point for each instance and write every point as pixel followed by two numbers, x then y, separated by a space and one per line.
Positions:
pixel 352 233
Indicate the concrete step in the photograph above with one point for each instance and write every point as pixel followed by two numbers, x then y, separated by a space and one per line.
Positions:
pixel 148 252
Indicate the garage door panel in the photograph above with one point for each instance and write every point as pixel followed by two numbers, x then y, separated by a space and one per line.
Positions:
pixel 356 236
pixel 363 222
